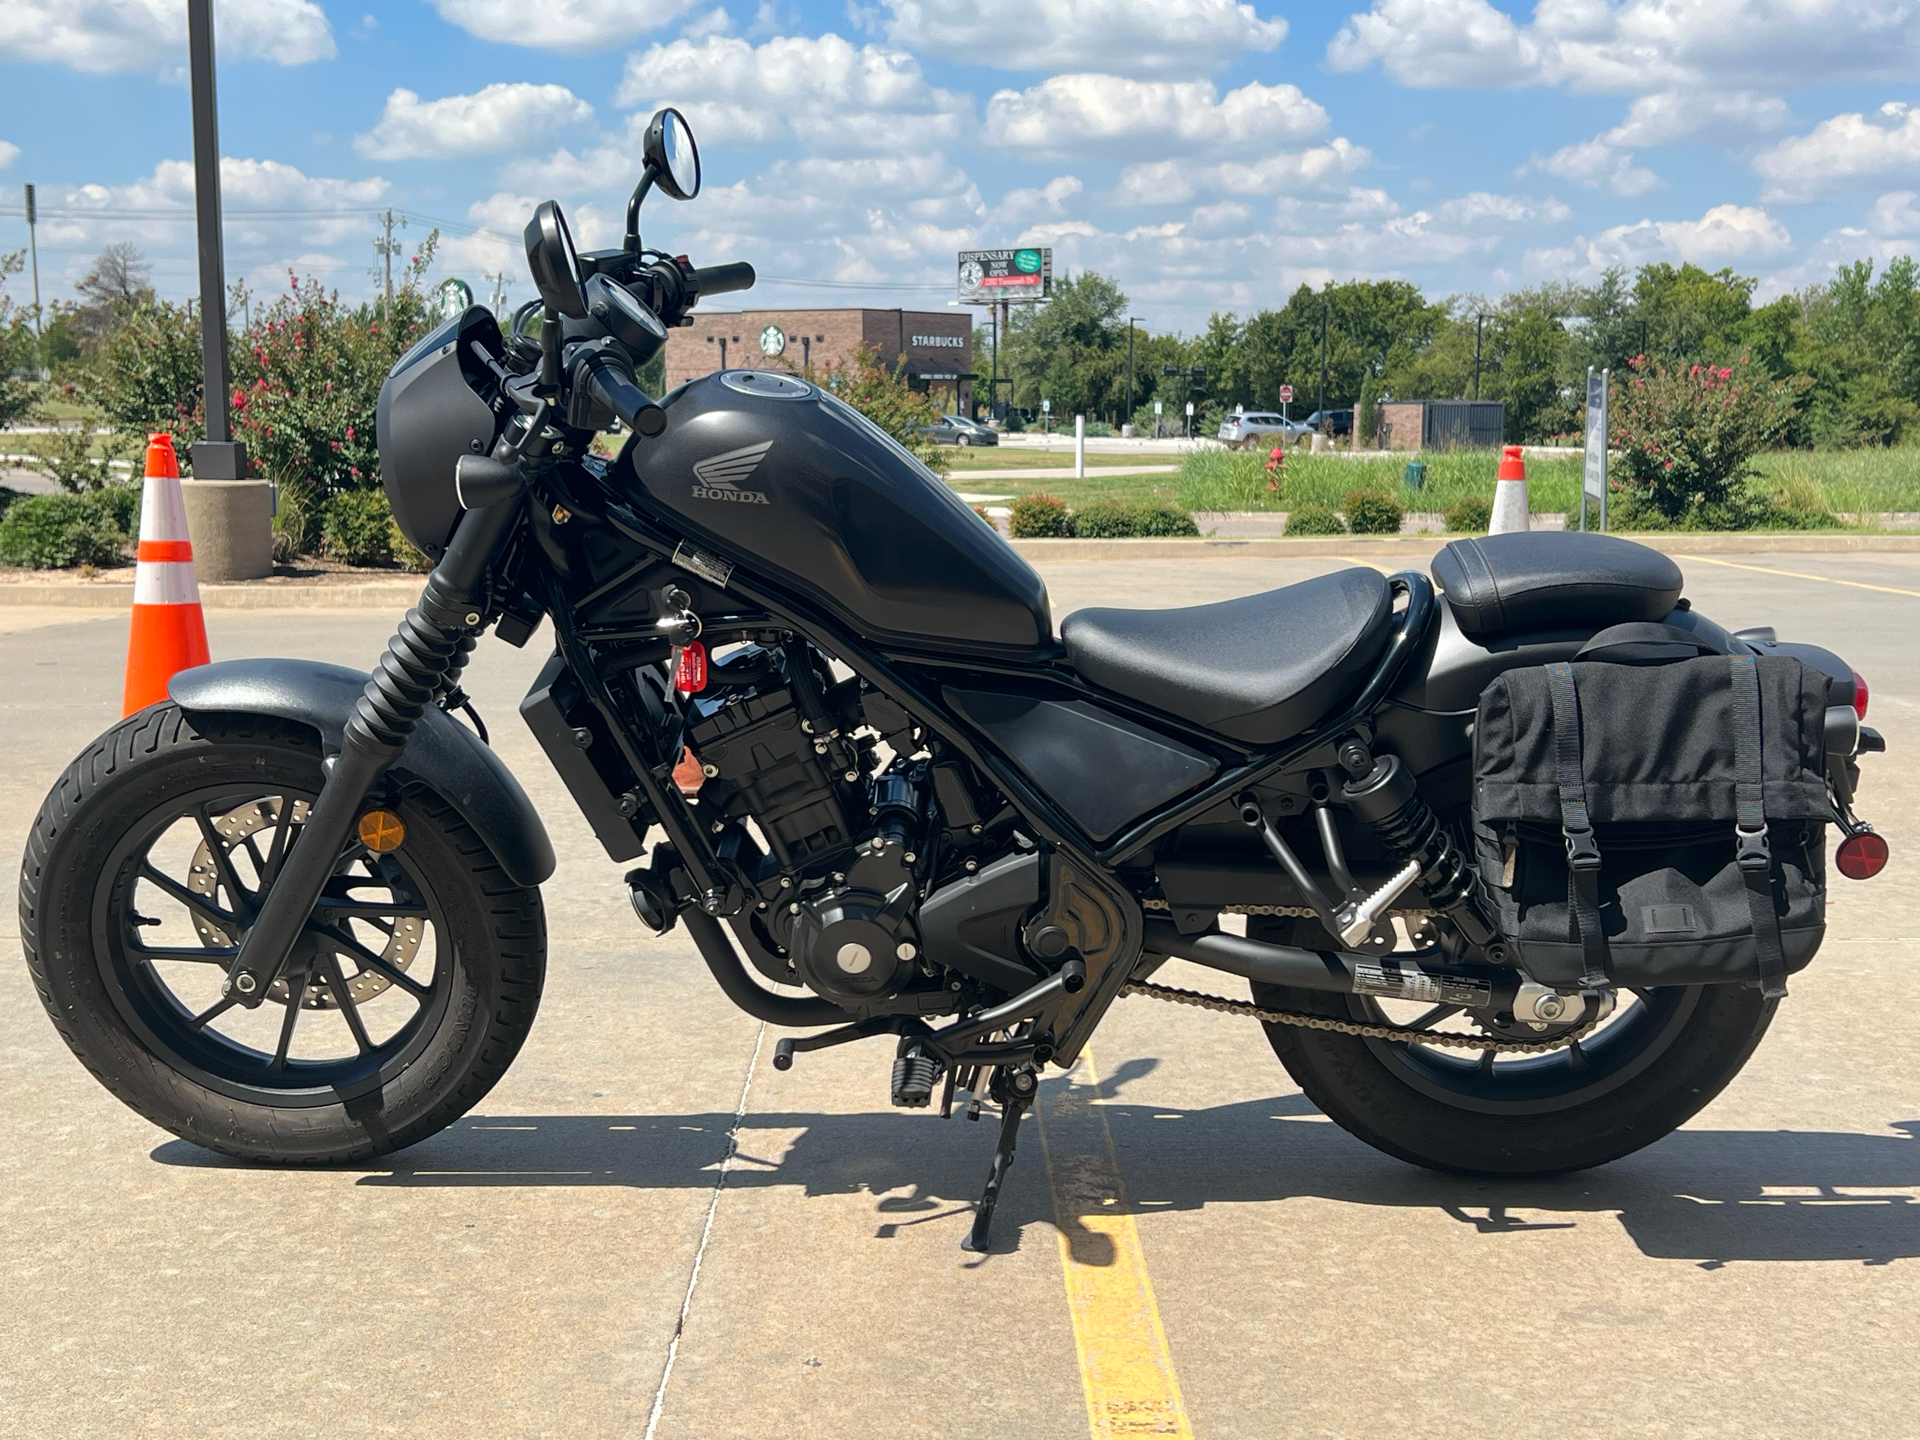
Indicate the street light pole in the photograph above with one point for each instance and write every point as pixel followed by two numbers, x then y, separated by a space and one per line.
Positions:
pixel 1129 415
pixel 1322 406
pixel 1478 321
pixel 220 458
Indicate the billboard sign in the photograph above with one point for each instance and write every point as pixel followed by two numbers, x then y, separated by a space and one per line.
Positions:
pixel 991 276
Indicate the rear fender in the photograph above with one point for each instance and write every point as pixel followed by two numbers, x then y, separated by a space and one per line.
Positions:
pixel 441 754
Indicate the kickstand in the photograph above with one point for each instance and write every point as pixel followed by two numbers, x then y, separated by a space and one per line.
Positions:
pixel 1020 1091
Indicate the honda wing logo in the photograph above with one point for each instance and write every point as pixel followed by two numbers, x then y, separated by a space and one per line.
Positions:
pixel 718 477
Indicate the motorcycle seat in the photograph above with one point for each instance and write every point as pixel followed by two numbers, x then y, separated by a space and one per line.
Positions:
pixel 1260 669
pixel 1546 579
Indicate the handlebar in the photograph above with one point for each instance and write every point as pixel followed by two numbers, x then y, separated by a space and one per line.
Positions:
pixel 614 383
pixel 719 279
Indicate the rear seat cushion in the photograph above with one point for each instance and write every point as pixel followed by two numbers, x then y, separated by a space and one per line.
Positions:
pixel 1543 579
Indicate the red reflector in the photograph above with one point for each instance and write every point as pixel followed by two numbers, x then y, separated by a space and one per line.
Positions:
pixel 1862 856
pixel 1859 694
pixel 690 673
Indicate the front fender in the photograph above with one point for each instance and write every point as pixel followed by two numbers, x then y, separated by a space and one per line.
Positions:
pixel 441 754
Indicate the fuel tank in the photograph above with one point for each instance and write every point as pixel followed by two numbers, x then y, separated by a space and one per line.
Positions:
pixel 800 489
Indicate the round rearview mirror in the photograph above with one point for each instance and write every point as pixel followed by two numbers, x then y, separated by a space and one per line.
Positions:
pixel 672 155
pixel 552 263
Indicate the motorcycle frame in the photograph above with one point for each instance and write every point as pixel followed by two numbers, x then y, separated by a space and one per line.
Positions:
pixel 884 669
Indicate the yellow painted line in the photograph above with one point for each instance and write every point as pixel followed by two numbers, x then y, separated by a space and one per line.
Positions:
pixel 1125 1367
pixel 1797 575
pixel 1367 564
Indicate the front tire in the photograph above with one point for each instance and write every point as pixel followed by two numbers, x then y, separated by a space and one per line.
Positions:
pixel 405 1000
pixel 1663 1056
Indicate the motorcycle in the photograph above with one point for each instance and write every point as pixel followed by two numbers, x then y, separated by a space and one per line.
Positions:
pixel 293 913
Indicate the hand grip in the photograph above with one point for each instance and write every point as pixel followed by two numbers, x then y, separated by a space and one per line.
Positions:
pixel 719 279
pixel 614 384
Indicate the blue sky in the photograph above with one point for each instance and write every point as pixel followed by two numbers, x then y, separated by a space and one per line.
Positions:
pixel 1209 154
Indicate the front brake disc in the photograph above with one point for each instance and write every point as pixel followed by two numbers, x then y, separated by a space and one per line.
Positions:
pixel 203 879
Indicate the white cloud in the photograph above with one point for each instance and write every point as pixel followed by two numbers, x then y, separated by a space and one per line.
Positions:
pixel 1066 113
pixel 561 24
pixel 1891 229
pixel 501 117
pixel 826 92
pixel 715 22
pixel 1598 166
pixel 1840 153
pixel 1173 182
pixel 8 154
pixel 1132 37
pixel 244 185
pixel 1724 235
pixel 1671 115
pixel 1634 46
pixel 1027 205
pixel 1482 208
pixel 108 35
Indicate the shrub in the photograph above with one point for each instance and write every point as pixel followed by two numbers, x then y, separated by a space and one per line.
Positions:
pixel 1166 520
pixel 405 554
pixel 1314 520
pixel 53 532
pixel 8 496
pixel 1106 520
pixel 1687 438
pixel 1470 516
pixel 1373 512
pixel 358 529
pixel 1038 517
pixel 67 458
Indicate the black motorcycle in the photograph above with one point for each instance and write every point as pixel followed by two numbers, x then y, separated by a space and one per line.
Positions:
pixel 292 914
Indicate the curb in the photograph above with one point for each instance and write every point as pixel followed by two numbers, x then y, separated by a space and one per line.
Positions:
pixel 398 594
pixel 1420 547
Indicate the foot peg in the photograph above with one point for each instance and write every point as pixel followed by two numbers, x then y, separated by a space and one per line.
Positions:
pixel 915 1071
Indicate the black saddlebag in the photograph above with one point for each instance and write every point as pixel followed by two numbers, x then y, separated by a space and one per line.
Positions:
pixel 1648 823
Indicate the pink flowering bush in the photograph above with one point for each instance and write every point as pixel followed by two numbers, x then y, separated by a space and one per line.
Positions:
pixel 1687 437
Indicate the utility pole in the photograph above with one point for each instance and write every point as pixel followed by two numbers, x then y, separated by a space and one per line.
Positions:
pixel 33 249
pixel 387 247
pixel 1129 416
pixel 1322 406
pixel 499 300
pixel 1478 321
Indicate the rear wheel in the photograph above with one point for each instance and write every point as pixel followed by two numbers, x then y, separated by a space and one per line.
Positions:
pixel 406 997
pixel 1660 1058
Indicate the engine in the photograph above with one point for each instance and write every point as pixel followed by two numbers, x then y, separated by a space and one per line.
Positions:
pixel 844 859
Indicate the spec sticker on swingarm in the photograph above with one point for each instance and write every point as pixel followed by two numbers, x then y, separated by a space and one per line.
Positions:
pixel 704 563
pixel 1386 978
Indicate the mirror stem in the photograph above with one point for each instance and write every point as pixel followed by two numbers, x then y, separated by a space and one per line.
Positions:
pixel 632 245
pixel 550 351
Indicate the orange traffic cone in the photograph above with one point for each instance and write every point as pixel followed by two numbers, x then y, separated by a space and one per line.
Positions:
pixel 169 632
pixel 1510 510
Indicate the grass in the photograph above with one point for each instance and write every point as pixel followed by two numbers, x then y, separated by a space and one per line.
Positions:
pixel 1008 458
pixel 1845 482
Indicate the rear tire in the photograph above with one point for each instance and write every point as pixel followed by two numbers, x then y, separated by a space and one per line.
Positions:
pixel 126 1006
pixel 1664 1057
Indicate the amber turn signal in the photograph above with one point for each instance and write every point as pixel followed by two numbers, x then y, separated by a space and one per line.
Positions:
pixel 382 831
pixel 1861 856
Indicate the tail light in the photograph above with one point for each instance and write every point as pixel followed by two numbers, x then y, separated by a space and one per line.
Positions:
pixel 1859 694
pixel 1861 856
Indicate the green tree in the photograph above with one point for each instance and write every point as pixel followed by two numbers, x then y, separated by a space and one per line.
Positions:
pixel 1071 350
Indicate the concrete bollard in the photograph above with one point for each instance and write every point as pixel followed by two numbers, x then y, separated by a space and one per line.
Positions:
pixel 1319 444
pixel 231 522
pixel 1079 447
pixel 1510 511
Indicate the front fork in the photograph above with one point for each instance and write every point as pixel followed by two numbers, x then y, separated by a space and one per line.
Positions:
pixel 425 653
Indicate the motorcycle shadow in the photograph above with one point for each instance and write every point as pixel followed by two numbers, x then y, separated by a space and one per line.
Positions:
pixel 1707 1196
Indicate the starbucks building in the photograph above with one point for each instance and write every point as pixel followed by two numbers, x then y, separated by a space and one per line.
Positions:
pixel 935 348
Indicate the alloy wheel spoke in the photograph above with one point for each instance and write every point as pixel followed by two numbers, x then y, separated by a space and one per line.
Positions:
pixel 237 894
pixel 1434 1017
pixel 296 990
pixel 343 997
pixel 204 955
pixel 343 944
pixel 277 851
pixel 199 904
pixel 218 1008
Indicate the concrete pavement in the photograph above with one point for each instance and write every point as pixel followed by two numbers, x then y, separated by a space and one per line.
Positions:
pixel 532 1269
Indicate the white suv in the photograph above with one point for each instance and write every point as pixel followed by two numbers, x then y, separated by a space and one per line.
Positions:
pixel 1251 429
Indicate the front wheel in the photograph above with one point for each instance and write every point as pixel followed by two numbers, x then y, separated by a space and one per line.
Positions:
pixel 405 999
pixel 1659 1059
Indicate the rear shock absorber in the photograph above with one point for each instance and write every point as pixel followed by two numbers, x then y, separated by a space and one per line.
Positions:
pixel 1387 797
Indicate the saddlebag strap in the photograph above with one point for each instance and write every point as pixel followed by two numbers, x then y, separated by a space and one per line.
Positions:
pixel 1576 826
pixel 1753 853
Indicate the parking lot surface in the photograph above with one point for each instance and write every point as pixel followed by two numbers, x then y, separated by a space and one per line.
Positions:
pixel 647 1230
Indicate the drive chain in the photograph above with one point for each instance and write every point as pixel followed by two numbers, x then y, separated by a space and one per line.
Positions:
pixel 1225 1006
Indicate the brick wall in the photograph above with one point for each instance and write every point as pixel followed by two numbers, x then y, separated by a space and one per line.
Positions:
pixel 1402 424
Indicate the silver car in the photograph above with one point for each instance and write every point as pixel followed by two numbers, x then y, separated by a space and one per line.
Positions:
pixel 1251 429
